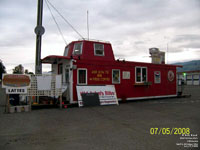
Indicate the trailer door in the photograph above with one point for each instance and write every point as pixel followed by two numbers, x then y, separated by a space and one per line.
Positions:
pixel 67 84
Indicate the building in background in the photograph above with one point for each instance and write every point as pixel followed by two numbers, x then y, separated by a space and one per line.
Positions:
pixel 189 77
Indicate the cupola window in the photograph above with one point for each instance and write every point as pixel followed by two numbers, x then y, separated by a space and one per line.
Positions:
pixel 98 49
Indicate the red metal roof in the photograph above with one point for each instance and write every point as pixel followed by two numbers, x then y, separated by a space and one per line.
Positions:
pixel 53 58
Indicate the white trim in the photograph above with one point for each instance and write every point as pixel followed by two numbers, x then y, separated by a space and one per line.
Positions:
pixel 78 76
pixel 139 98
pixel 119 76
pixel 148 97
pixel 95 49
pixel 141 67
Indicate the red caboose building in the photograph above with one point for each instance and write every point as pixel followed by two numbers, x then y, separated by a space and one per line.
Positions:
pixel 88 62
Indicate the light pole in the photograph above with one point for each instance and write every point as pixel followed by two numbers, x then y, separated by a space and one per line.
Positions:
pixel 167 48
pixel 39 31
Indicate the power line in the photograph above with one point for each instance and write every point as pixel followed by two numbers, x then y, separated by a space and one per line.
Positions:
pixel 59 29
pixel 64 19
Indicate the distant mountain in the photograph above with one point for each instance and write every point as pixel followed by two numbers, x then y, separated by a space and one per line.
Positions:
pixel 189 66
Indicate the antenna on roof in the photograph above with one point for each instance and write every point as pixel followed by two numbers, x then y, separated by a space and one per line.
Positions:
pixel 88 24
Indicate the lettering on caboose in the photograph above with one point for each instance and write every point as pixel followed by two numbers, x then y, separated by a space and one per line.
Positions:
pixel 100 75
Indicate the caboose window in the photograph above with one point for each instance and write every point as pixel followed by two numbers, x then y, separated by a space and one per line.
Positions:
pixel 98 49
pixel 78 48
pixel 141 74
pixel 115 76
pixel 82 76
pixel 66 51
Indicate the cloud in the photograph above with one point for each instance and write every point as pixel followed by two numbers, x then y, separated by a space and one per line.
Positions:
pixel 132 26
pixel 192 45
pixel 187 37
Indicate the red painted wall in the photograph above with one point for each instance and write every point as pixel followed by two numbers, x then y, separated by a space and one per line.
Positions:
pixel 99 72
pixel 127 88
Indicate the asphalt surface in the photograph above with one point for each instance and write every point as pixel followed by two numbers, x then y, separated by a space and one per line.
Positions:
pixel 122 127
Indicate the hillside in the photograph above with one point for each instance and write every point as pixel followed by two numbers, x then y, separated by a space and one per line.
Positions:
pixel 189 66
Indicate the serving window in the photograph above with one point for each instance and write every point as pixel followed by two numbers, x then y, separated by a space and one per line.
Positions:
pixel 140 74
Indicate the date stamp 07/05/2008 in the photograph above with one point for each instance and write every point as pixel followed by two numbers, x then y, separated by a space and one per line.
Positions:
pixel 187 139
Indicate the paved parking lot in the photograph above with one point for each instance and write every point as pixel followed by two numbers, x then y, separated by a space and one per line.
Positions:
pixel 122 127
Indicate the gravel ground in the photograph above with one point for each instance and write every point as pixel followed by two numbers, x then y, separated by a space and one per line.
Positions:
pixel 122 127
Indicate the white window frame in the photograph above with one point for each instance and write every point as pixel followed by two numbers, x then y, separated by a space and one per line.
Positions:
pixel 81 48
pixel 119 76
pixel 78 76
pixel 155 77
pixel 95 50
pixel 141 68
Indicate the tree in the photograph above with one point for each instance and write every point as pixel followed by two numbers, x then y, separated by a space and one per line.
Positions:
pixel 18 69
pixel 2 69
pixel 27 72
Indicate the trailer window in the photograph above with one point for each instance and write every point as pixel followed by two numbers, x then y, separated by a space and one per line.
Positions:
pixel 115 76
pixel 141 74
pixel 98 49
pixel 82 76
pixel 78 48
pixel 157 77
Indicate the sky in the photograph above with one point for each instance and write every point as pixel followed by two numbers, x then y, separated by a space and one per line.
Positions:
pixel 132 27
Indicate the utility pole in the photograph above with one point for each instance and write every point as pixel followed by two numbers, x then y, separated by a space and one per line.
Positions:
pixel 88 24
pixel 39 31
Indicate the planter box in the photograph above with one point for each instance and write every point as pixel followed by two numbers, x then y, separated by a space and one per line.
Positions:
pixel 19 108
pixel 12 109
